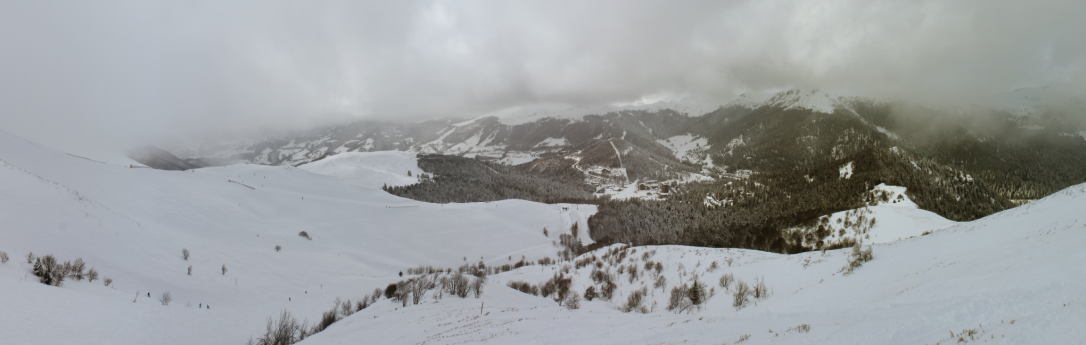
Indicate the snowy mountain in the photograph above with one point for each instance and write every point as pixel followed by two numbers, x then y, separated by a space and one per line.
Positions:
pixel 1005 278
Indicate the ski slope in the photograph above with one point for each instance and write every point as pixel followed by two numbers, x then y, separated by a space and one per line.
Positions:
pixel 131 225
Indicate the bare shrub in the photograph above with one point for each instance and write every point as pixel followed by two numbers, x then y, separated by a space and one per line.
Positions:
pixel 740 295
pixel 30 258
pixel 557 285
pixel 802 328
pixel 590 293
pixel 607 290
pixel 49 272
pixel 278 247
pixel 190 270
pixel 458 285
pixel 660 283
pixel 166 298
pixel 3 257
pixel 75 270
pixel 223 269
pixel 573 301
pixel 327 319
pixel 92 275
pixel 726 280
pixel 633 302
pixel 677 301
pixel 476 286
pixel 547 289
pixel 743 338
pixel 524 287
pixel 857 258
pixel 345 308
pixel 185 253
pixel 760 291
pixel 285 331
pixel 108 281
pixel 306 235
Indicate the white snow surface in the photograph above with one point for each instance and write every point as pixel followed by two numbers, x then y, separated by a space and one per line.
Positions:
pixel 681 145
pixel 1011 278
pixel 369 169
pixel 131 225
pixel 846 170
pixel 895 219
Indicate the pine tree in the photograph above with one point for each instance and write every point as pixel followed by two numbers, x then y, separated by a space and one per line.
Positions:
pixel 696 292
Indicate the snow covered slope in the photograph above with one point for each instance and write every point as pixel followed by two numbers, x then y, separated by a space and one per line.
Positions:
pixel 1011 278
pixel 132 224
pixel 369 169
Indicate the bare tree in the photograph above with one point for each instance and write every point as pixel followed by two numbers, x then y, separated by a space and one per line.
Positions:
pixel 573 301
pixel 477 286
pixel 739 297
pixel 286 331
pixel 166 298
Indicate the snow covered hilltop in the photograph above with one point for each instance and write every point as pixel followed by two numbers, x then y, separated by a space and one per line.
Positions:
pixel 1011 277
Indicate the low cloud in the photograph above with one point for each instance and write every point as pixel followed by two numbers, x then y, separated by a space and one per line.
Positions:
pixel 123 74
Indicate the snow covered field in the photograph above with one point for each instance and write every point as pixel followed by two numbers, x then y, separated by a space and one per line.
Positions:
pixel 1011 278
pixel 132 224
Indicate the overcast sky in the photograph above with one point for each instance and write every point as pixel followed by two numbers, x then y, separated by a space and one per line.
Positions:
pixel 126 73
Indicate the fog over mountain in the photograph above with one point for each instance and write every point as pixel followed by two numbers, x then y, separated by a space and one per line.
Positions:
pixel 116 75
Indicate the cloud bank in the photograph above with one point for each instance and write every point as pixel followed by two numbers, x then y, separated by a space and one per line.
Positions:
pixel 128 73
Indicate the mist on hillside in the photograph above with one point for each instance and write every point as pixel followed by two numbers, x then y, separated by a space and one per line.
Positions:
pixel 120 75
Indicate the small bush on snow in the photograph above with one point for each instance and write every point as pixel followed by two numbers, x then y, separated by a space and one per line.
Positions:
pixel 92 275
pixel 726 280
pixel 590 293
pixel 185 253
pixel 857 258
pixel 573 301
pixel 3 257
pixel 49 272
pixel 166 298
pixel 283 332
pixel 306 235
pixel 108 281
pixel 525 287
pixel 740 295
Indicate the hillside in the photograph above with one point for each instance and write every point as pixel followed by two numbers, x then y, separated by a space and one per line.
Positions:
pixel 131 225
pixel 1004 278
pixel 1008 278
